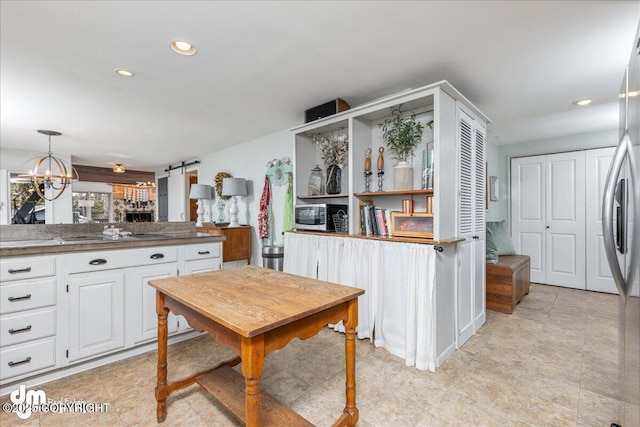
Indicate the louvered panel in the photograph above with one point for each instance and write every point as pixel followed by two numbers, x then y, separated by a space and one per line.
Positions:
pixel 479 182
pixel 466 170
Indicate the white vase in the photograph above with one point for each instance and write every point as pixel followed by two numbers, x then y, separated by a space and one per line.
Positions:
pixel 403 176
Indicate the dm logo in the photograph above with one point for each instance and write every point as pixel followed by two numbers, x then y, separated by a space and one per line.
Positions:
pixel 25 400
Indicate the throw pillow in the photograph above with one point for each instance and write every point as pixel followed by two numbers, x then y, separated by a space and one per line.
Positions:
pixel 492 248
pixel 503 238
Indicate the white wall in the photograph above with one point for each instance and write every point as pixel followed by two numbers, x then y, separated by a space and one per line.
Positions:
pixel 575 142
pixel 249 161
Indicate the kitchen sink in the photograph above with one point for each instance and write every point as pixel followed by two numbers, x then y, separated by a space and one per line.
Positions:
pixel 80 239
pixel 28 243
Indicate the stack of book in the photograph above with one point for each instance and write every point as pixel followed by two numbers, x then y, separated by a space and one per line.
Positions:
pixel 375 221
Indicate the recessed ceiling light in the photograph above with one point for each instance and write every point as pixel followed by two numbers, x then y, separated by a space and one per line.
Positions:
pixel 183 48
pixel 583 102
pixel 124 73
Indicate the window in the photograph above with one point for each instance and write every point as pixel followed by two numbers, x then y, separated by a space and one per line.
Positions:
pixel 27 207
pixel 83 212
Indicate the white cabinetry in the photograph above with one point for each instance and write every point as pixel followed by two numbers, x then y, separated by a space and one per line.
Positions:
pixel 66 310
pixel 142 322
pixel 110 304
pixel 27 315
pixel 471 296
pixel 96 314
pixel 202 258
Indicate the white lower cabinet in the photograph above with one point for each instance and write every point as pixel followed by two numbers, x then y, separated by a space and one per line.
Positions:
pixel 67 309
pixel 199 259
pixel 30 357
pixel 142 319
pixel 471 300
pixel 96 314
pixel 28 316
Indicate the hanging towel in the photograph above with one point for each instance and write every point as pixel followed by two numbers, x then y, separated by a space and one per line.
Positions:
pixel 263 216
pixel 288 207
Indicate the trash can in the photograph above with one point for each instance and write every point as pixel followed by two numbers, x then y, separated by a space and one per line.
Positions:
pixel 273 257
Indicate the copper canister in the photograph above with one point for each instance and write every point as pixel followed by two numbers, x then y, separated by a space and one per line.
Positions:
pixel 407 206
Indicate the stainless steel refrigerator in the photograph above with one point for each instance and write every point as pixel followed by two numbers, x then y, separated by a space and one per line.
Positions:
pixel 621 228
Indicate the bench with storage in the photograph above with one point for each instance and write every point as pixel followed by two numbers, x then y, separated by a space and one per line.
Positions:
pixel 507 282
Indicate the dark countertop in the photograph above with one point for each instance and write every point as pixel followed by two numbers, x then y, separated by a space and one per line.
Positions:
pixel 53 246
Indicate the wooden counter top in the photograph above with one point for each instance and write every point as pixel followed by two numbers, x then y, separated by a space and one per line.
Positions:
pixel 441 242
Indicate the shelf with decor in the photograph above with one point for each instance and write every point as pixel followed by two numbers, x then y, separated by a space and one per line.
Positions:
pixel 426 192
pixel 435 107
pixel 323 196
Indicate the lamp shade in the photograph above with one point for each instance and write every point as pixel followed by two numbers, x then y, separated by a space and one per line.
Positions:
pixel 234 187
pixel 201 191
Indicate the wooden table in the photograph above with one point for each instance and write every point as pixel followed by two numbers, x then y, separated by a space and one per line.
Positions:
pixel 254 311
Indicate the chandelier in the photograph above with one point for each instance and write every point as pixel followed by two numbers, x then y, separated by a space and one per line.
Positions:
pixel 51 175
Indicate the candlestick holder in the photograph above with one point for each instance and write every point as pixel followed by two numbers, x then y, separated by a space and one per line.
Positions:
pixel 380 174
pixel 367 180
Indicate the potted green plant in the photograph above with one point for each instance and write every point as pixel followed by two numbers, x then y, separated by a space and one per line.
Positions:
pixel 402 134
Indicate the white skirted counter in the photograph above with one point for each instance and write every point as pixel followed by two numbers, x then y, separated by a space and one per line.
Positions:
pixel 408 311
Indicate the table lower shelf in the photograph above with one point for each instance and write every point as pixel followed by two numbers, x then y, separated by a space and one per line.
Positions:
pixel 228 387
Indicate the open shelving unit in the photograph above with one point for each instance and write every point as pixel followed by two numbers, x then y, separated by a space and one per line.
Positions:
pixel 438 102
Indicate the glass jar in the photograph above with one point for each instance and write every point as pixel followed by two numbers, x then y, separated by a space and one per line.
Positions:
pixel 334 179
pixel 316 182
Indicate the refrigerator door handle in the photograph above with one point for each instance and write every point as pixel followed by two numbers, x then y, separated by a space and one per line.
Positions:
pixel 607 213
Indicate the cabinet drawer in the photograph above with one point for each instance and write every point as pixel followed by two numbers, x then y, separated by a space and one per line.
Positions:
pixel 202 251
pixel 108 260
pixel 24 358
pixel 27 326
pixel 27 268
pixel 25 295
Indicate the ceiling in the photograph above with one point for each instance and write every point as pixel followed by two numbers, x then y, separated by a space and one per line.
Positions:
pixel 259 65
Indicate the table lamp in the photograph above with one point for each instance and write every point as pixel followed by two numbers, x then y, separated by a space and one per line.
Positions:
pixel 200 192
pixel 234 187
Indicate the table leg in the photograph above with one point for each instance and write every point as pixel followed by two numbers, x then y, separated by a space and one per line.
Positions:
pixel 252 367
pixel 162 389
pixel 350 356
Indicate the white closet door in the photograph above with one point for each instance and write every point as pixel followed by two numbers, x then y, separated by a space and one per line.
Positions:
pixel 598 271
pixel 565 220
pixel 528 212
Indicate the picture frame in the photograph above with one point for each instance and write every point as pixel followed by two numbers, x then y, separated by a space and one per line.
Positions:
pixel 417 224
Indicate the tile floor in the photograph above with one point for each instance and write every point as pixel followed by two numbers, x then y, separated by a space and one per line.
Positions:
pixel 551 363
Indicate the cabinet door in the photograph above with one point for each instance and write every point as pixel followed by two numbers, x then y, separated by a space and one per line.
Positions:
pixel 96 314
pixel 479 247
pixel 192 267
pixel 142 319
pixel 471 226
pixel 465 294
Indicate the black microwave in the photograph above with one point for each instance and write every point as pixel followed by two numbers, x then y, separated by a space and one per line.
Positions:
pixel 317 217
